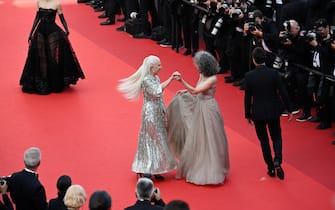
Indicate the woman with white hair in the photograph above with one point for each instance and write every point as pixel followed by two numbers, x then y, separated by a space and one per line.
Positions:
pixel 75 197
pixel 196 130
pixel 153 155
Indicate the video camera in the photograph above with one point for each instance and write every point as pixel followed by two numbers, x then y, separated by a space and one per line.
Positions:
pixel 285 36
pixel 4 179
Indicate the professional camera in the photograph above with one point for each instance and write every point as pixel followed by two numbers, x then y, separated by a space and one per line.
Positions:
pixel 237 12
pixel 224 6
pixel 285 35
pixel 252 26
pixel 217 26
pixel 309 35
pixel 3 180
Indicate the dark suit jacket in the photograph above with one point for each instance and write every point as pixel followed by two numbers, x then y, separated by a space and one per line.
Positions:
pixel 264 94
pixel 26 191
pixel 56 204
pixel 146 205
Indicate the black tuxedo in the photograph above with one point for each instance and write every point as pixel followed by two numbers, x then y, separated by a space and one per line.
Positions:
pixel 26 191
pixel 146 205
pixel 264 94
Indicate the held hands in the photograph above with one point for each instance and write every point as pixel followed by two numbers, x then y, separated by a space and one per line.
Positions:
pixel 176 75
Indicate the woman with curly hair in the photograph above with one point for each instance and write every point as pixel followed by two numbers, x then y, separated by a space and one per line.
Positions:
pixel 195 127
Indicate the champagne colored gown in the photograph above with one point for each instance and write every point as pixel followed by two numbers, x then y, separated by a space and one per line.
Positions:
pixel 153 154
pixel 197 137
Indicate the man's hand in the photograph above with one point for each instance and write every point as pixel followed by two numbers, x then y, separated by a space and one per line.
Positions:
pixel 157 194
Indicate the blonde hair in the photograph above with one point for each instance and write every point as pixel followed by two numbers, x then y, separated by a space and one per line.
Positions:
pixel 75 197
pixel 131 86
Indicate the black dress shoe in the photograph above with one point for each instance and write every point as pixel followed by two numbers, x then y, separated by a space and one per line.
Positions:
pixel 141 36
pixel 99 9
pixel 159 177
pixel 121 19
pixel 314 119
pixel 121 28
pixel 187 52
pixel 107 22
pixel 280 172
pixel 162 41
pixel 323 126
pixel 103 15
pixel 238 82
pixel 271 173
pixel 229 79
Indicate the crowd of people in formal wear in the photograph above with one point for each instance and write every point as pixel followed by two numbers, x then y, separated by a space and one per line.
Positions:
pixel 297 35
pixel 28 193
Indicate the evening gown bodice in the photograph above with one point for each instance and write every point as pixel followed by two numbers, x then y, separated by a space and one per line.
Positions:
pixel 197 137
pixel 51 64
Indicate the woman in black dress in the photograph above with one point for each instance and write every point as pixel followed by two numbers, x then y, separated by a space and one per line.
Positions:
pixel 51 64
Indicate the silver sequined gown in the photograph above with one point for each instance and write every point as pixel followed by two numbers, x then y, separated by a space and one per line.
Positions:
pixel 153 154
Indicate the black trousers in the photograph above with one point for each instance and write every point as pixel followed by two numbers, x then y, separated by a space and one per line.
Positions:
pixel 148 6
pixel 262 127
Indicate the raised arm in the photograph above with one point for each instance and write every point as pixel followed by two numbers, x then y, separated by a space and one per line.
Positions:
pixel 167 82
pixel 202 87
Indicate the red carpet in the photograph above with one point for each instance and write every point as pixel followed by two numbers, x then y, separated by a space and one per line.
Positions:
pixel 90 131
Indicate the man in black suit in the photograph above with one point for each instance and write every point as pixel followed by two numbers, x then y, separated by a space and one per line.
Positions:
pixel 264 94
pixel 148 197
pixel 25 189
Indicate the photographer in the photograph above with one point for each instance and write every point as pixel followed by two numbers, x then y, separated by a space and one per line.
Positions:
pixel 296 50
pixel 148 197
pixel 323 62
pixel 222 33
pixel 26 191
pixel 7 204
pixel 240 58
pixel 266 33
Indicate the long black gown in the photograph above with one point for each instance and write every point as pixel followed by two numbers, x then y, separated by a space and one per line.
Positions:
pixel 51 64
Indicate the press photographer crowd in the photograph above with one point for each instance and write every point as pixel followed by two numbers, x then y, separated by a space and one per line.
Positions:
pixel 297 35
